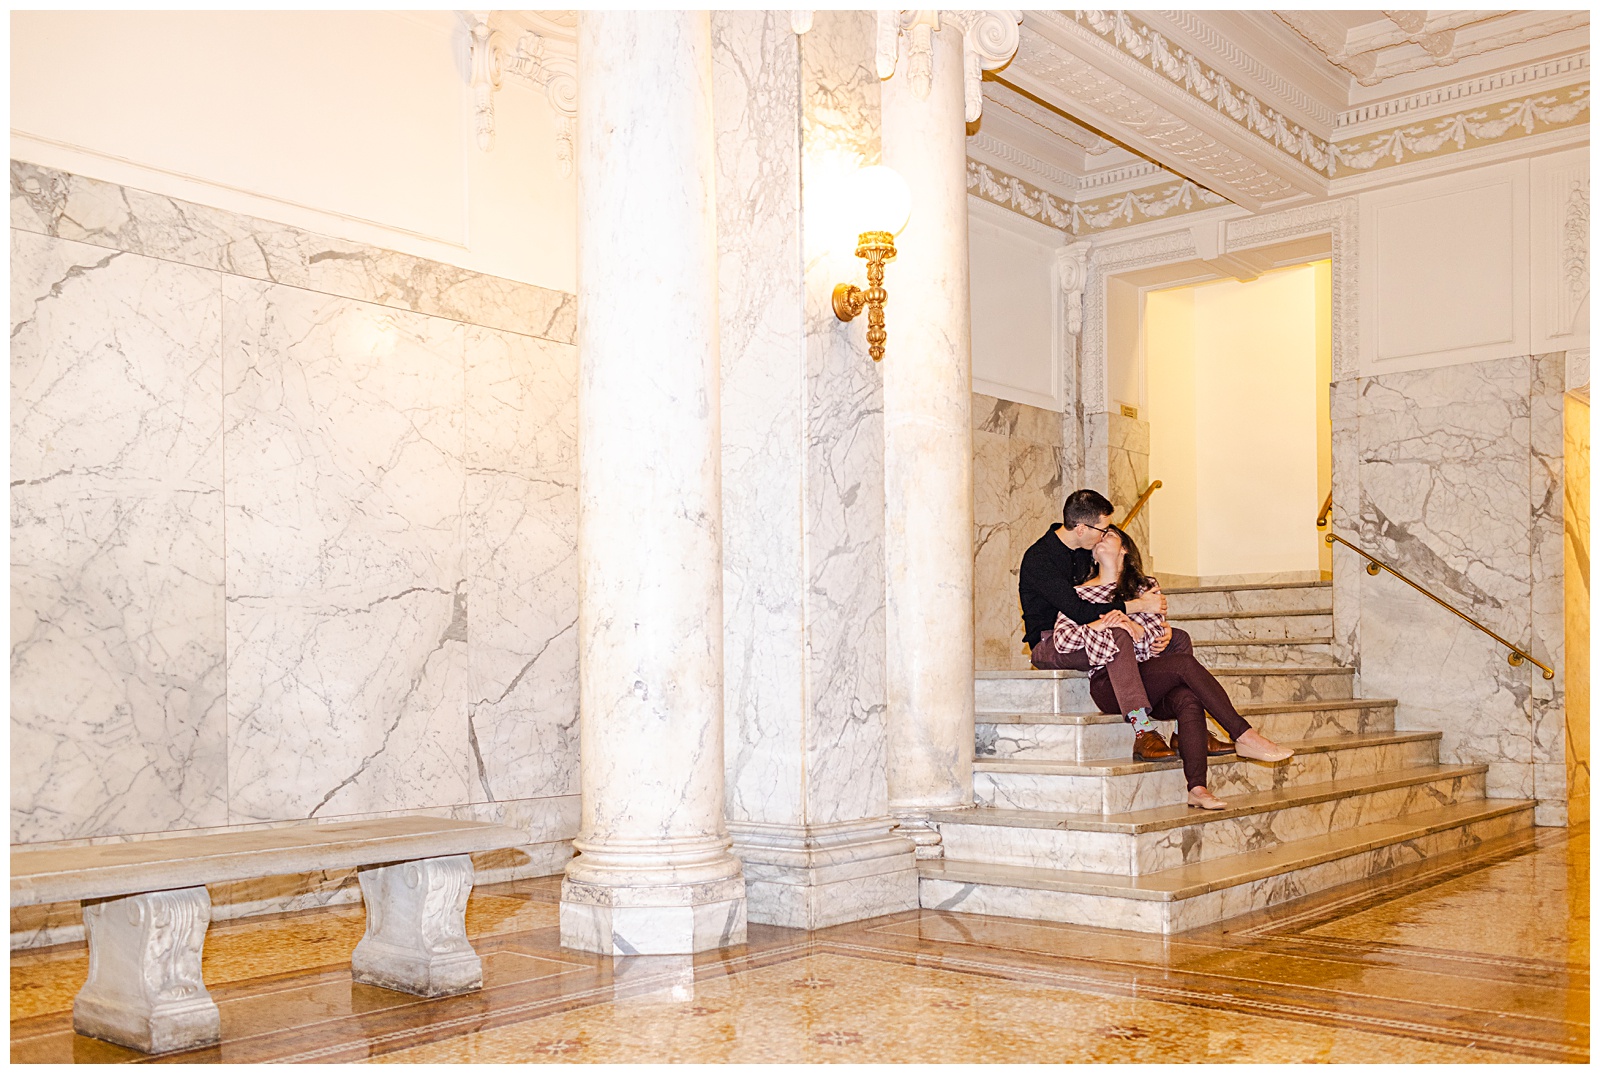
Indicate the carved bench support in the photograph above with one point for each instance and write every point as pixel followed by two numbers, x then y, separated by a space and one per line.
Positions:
pixel 416 937
pixel 144 989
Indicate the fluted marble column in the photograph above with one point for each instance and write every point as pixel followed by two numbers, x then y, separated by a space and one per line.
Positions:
pixel 927 396
pixel 654 874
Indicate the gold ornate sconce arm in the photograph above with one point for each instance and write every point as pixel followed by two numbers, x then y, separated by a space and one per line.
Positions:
pixel 849 300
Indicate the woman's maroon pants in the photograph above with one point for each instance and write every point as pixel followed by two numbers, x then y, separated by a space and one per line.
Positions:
pixel 1179 688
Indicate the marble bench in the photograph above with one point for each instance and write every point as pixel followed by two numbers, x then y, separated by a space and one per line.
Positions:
pixel 146 908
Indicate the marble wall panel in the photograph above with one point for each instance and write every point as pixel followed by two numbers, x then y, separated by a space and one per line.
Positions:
pixel 1456 475
pixel 282 551
pixel 1128 472
pixel 45 201
pixel 845 758
pixel 348 608
pixel 1017 483
pixel 1575 523
pixel 521 566
pixel 756 107
pixel 116 544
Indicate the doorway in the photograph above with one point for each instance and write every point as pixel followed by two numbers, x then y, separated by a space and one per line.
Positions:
pixel 1236 390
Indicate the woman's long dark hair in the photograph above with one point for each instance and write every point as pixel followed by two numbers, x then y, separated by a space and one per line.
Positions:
pixel 1132 581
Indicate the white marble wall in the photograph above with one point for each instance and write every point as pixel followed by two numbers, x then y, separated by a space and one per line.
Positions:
pixel 1017 488
pixel 802 473
pixel 293 526
pixel 1459 472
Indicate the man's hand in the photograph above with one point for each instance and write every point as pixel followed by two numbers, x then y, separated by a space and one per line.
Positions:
pixel 1153 601
pixel 1160 644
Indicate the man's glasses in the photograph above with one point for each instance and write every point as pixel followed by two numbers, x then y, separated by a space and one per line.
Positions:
pixel 1101 530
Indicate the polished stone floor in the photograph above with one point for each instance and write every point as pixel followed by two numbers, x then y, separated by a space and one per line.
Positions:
pixel 1457 960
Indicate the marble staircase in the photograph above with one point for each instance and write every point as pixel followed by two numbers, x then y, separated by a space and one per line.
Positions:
pixel 1067 827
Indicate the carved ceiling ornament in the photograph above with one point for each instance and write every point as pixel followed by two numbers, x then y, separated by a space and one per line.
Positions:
pixel 1072 272
pixel 545 57
pixel 988 41
pixel 1489 122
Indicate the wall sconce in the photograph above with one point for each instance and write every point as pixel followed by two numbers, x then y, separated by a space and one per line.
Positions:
pixel 879 204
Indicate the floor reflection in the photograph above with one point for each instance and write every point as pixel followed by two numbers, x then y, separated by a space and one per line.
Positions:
pixel 1457 960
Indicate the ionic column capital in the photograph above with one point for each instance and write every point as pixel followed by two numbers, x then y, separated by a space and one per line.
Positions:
pixel 988 41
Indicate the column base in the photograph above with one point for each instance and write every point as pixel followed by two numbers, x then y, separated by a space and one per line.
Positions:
pixel 925 836
pixel 814 876
pixel 665 919
pixel 144 989
pixel 416 939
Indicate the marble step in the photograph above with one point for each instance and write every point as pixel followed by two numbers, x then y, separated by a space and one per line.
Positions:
pixel 1079 736
pixel 1121 784
pixel 1148 840
pixel 1228 599
pixel 1188 896
pixel 1298 652
pixel 1068 691
pixel 1255 626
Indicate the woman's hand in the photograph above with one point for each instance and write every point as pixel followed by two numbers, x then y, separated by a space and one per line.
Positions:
pixel 1153 600
pixel 1120 621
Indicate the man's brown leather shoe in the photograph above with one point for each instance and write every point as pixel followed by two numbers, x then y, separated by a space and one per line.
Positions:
pixel 1149 746
pixel 1215 747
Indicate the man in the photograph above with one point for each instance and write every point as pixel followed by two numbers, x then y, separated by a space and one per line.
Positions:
pixel 1052 568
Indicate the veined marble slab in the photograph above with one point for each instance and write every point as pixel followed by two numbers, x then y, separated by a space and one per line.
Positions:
pixel 1256 626
pixel 45 201
pixel 1223 600
pixel 117 670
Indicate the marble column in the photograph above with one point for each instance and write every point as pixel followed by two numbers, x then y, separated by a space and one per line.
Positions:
pixel 654 874
pixel 927 398
pixel 802 448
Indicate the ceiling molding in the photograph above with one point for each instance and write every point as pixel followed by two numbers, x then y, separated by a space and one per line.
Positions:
pixel 1206 36
pixel 1559 71
pixel 1127 80
pixel 1169 196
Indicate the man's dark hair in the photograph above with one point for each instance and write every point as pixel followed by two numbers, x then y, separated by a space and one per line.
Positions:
pixel 1085 505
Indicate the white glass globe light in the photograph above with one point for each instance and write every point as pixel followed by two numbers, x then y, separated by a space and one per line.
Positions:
pixel 879 200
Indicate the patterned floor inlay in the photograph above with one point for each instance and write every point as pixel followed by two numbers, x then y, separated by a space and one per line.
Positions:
pixel 1480 959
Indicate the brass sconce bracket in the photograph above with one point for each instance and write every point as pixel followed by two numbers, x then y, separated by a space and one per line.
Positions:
pixel 849 300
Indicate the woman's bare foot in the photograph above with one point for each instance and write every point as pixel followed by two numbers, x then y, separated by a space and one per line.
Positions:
pixel 1258 747
pixel 1200 798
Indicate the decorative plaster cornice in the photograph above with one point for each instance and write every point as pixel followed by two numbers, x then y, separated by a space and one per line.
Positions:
pixel 1175 197
pixel 1065 182
pixel 1226 51
pixel 1112 176
pixel 1482 125
pixel 1000 95
pixel 1557 71
pixel 1135 39
pixel 1487 124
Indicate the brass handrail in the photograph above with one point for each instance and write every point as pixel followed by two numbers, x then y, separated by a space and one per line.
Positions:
pixel 1140 505
pixel 1327 509
pixel 1514 658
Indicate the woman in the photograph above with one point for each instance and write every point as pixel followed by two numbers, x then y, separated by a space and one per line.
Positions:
pixel 1178 686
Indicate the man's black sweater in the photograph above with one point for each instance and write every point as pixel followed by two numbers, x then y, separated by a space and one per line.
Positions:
pixel 1050 574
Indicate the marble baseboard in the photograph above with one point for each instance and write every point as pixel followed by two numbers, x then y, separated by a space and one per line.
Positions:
pixel 816 906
